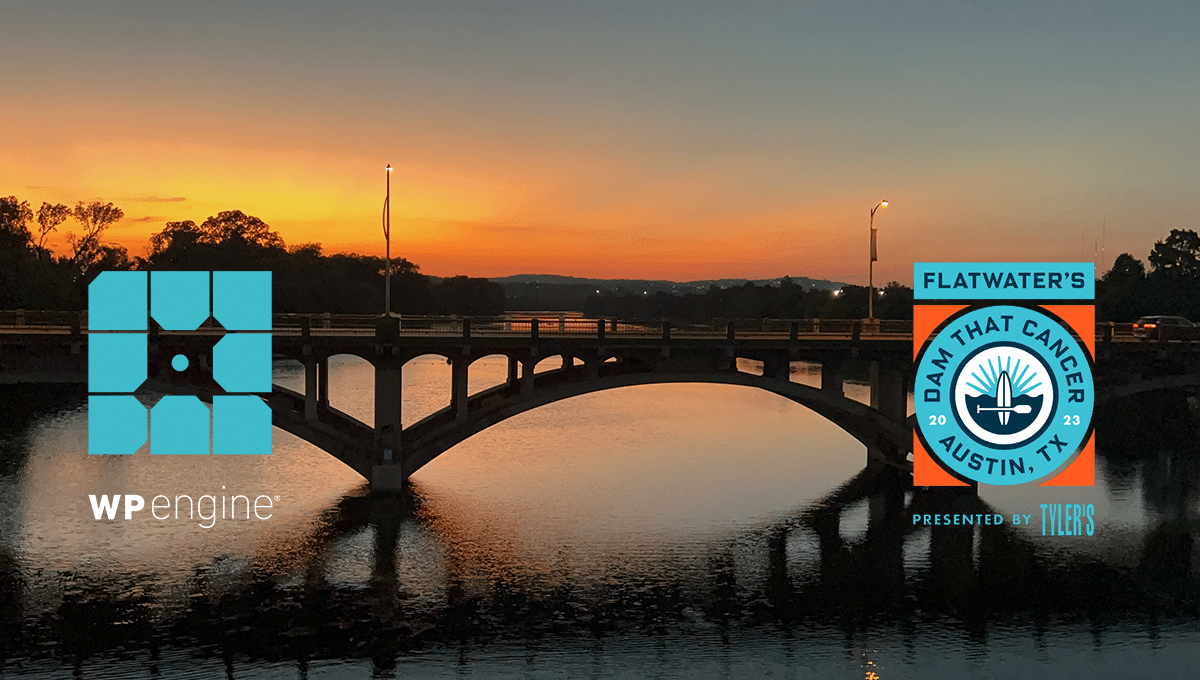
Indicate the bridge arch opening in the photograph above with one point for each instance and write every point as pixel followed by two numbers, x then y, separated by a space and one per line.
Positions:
pixel 554 362
pixel 350 388
pixel 487 372
pixel 351 385
pixel 749 366
pixel 715 441
pixel 427 382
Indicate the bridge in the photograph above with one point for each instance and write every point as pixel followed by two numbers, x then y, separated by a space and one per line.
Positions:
pixel 590 354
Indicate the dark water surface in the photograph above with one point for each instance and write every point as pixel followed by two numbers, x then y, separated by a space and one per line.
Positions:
pixel 659 531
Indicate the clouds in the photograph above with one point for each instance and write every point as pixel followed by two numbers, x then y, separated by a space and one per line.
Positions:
pixel 155 199
pixel 757 136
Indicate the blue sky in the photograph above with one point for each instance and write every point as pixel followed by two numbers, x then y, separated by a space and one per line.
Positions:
pixel 680 140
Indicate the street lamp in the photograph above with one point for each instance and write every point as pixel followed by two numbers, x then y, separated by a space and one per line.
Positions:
pixel 387 237
pixel 871 266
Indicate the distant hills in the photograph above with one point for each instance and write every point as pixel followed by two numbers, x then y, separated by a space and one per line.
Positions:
pixel 552 291
pixel 651 286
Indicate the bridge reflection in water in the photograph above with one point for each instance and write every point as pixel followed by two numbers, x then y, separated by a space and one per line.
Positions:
pixel 380 576
pixel 416 580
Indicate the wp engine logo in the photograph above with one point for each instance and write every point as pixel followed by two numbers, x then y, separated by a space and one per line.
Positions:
pixel 121 308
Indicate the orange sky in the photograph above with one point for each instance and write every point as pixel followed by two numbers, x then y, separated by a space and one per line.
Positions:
pixel 617 141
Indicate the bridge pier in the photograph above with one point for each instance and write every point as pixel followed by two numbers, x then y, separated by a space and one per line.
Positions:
pixel 458 386
pixel 388 473
pixel 513 365
pixel 310 388
pixel 387 405
pixel 889 391
pixel 316 386
pixel 527 366
pixel 323 383
pixel 778 367
pixel 831 376
pixel 889 396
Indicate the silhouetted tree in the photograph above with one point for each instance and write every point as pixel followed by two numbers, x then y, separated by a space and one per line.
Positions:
pixel 895 302
pixel 14 249
pixel 26 280
pixel 234 227
pixel 1178 254
pixel 14 218
pixel 467 296
pixel 94 217
pixel 180 235
pixel 1121 292
pixel 307 280
pixel 48 218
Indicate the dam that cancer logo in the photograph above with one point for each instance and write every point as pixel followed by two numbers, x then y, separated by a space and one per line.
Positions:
pixel 121 307
pixel 1004 394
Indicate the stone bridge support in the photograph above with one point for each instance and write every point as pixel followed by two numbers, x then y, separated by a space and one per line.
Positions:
pixel 316 385
pixel 889 396
pixel 387 471
pixel 831 374
pixel 310 385
pixel 459 387
pixel 513 367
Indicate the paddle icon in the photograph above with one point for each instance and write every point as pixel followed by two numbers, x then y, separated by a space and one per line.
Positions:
pixel 1023 409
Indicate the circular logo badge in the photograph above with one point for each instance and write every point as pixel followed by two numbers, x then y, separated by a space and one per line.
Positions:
pixel 1004 395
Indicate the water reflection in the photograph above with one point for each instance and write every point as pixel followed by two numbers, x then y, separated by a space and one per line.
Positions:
pixel 521 558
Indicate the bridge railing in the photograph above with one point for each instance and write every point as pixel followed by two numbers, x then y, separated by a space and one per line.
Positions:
pixel 28 318
pixel 549 322
pixel 574 323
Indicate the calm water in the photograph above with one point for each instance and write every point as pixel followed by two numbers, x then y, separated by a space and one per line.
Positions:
pixel 659 531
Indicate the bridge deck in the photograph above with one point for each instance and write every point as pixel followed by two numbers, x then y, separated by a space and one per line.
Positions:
pixel 557 325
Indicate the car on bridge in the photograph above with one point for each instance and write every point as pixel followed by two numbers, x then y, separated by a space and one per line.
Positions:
pixel 1165 328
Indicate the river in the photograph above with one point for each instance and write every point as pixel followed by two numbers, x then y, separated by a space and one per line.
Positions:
pixel 661 531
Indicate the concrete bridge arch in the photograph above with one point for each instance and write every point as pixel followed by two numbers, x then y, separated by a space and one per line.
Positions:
pixel 437 433
pixel 387 453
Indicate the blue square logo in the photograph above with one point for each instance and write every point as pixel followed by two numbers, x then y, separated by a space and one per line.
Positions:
pixel 121 307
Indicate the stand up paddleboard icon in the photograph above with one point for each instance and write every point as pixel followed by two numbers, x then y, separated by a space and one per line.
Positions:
pixel 1004 405
pixel 1003 396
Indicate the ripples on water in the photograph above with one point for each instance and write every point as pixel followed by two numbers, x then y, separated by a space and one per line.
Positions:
pixel 657 531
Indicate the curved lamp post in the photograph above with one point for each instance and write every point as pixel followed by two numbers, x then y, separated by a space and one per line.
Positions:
pixel 871 266
pixel 387 237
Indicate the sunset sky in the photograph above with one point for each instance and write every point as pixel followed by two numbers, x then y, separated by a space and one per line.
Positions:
pixel 668 140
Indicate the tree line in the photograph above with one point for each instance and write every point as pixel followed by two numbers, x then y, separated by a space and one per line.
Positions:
pixel 305 278
pixel 1171 285
pixel 785 301
pixel 308 280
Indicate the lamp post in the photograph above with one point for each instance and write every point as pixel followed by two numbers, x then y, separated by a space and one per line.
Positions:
pixel 387 237
pixel 871 266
